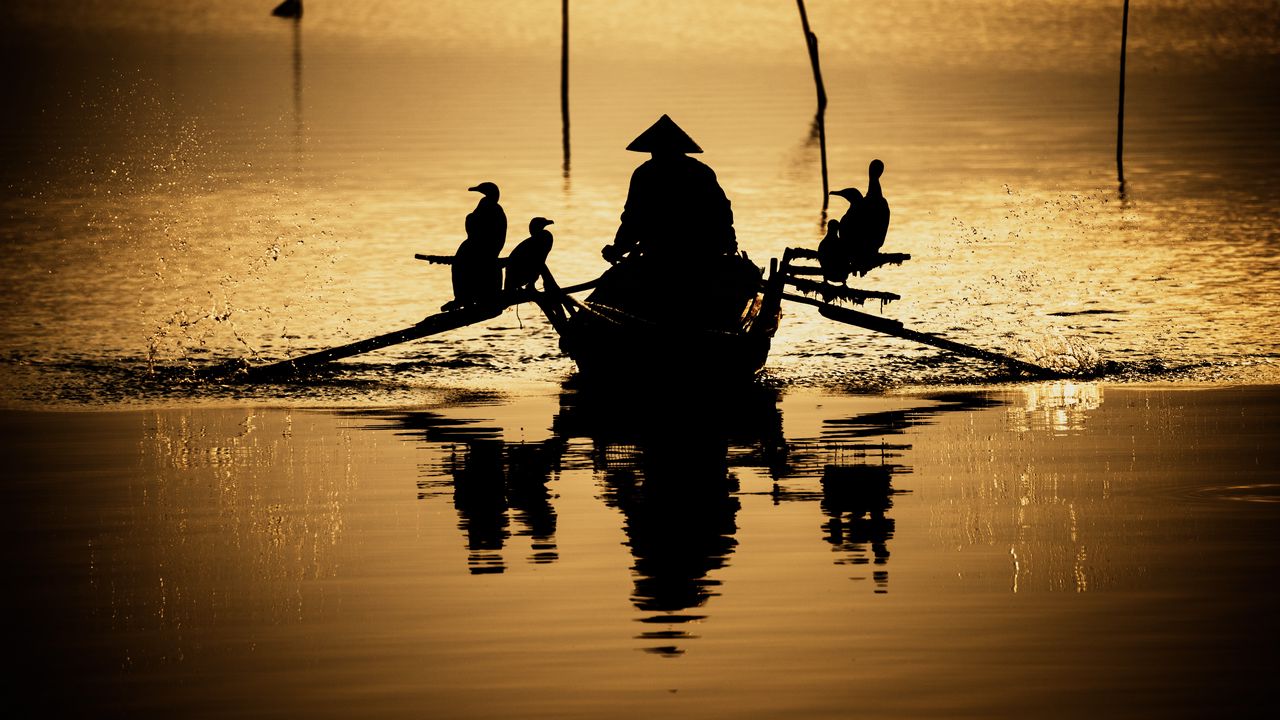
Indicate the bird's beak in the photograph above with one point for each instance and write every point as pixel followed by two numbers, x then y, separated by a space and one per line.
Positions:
pixel 474 189
pixel 551 222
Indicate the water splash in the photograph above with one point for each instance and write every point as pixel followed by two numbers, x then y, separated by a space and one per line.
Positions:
pixel 1065 354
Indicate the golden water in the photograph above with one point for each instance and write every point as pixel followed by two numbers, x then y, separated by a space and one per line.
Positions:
pixel 1060 550
pixel 193 183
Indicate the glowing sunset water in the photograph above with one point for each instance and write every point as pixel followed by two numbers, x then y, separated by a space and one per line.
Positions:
pixel 451 528
pixel 198 183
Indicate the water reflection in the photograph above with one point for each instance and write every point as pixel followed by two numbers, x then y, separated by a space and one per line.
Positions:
pixel 495 486
pixel 673 478
pixel 1058 407
pixel 676 479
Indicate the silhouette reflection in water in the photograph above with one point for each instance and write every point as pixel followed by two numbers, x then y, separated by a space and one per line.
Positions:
pixel 671 475
pixel 674 476
pixel 855 499
pixel 495 484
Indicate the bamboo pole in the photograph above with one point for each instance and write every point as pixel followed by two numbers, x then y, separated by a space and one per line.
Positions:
pixel 564 80
pixel 820 118
pixel 1124 43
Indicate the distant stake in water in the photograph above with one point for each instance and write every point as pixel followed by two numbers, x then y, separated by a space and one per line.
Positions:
pixel 564 79
pixel 1124 41
pixel 819 119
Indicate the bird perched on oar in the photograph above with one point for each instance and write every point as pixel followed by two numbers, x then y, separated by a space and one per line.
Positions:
pixel 845 247
pixel 526 261
pixel 477 278
pixel 872 224
pixel 865 223
pixel 832 256
pixel 874 214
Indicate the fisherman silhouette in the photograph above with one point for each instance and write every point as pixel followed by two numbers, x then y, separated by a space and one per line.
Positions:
pixel 675 207
pixel 288 9
pixel 477 278
pixel 526 261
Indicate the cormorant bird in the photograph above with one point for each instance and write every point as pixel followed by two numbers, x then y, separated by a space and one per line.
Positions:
pixel 848 243
pixel 288 9
pixel 477 278
pixel 832 255
pixel 873 217
pixel 864 226
pixel 488 223
pixel 526 261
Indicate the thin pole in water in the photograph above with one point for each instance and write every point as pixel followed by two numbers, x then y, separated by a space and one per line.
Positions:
pixel 297 84
pixel 1124 42
pixel 564 79
pixel 811 42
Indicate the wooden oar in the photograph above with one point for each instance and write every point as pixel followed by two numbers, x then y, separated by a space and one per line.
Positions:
pixel 895 328
pixel 431 325
pixel 438 323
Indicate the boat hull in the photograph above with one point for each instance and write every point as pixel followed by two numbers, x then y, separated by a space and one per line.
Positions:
pixel 717 329
pixel 607 346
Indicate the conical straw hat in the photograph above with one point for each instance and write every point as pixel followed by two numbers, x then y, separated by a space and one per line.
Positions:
pixel 664 136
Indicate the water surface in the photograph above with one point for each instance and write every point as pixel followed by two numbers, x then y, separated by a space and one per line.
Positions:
pixel 197 182
pixel 1061 550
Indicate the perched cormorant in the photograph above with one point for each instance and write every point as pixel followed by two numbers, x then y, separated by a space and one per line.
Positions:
pixel 832 255
pixel 528 258
pixel 873 217
pixel 488 223
pixel 848 227
pixel 288 9
pixel 477 278
pixel 854 196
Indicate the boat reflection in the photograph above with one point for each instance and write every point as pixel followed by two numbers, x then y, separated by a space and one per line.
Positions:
pixel 673 470
pixel 672 475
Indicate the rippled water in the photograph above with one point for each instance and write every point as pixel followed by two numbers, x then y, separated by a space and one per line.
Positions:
pixel 188 184
pixel 1062 549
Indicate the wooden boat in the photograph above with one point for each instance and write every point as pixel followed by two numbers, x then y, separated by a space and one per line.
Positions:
pixel 715 328
pixel 705 323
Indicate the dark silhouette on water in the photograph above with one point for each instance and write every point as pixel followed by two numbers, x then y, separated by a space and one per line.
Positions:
pixel 864 226
pixel 528 259
pixel 477 278
pixel 832 256
pixel 499 489
pixel 673 474
pixel 678 283
pixel 679 304
pixel 675 207
pixel 855 499
pixel 848 224
pixel 288 9
pixel 873 217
